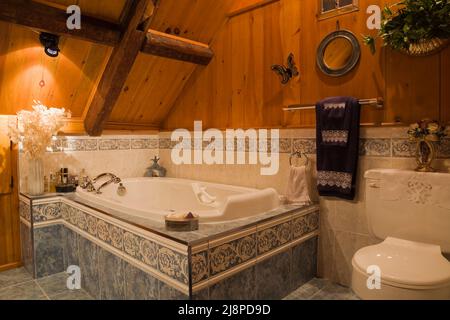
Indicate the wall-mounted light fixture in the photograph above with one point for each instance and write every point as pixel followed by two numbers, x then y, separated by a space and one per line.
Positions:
pixel 50 43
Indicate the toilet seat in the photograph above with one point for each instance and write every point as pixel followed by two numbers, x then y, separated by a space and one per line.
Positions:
pixel 405 264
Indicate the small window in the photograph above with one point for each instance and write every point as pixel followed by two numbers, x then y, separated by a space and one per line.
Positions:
pixel 332 8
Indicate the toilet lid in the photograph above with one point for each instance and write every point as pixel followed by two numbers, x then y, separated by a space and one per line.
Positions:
pixel 405 262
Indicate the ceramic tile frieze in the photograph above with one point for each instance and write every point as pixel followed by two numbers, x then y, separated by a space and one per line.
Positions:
pixel 403 148
pixel 444 149
pixel 303 225
pixel 231 254
pixel 72 144
pixel 25 210
pixel 375 147
pixel 274 237
pixel 199 266
pixel 307 146
pixel 46 212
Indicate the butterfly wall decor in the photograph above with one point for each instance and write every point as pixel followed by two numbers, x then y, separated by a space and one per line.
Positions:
pixel 286 73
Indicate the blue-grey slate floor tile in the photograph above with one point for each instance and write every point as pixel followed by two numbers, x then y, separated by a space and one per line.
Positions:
pixel 54 285
pixel 14 276
pixel 24 291
pixel 321 289
pixel 72 295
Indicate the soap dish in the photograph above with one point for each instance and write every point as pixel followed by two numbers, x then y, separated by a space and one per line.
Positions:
pixel 182 222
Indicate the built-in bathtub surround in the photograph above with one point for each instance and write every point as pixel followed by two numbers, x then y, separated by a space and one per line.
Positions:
pixel 343 223
pixel 127 156
pixel 122 257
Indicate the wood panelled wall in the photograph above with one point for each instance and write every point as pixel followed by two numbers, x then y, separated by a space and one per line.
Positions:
pixel 238 89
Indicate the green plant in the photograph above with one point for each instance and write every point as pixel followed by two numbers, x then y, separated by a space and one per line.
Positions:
pixel 409 21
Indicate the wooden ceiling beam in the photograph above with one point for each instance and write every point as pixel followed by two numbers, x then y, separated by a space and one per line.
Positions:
pixel 53 20
pixel 173 47
pixel 46 18
pixel 117 69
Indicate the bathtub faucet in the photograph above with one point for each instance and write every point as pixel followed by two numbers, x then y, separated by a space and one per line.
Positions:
pixel 112 179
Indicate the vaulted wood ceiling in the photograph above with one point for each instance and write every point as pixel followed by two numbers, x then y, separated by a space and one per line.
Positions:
pixel 71 80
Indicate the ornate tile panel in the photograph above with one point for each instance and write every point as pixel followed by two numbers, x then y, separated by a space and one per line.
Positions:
pixel 46 212
pixel 173 264
pixel 444 149
pixel 165 143
pixel 91 144
pixel 103 231
pixel 25 211
pixel 403 148
pixel 305 224
pixel 144 144
pixel 131 245
pixel 124 144
pixel 274 237
pixel 199 266
pixel 148 251
pixel 108 144
pixel 304 145
pixel 228 255
pixel 375 147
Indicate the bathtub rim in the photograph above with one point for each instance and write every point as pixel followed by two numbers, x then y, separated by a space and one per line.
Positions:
pixel 202 238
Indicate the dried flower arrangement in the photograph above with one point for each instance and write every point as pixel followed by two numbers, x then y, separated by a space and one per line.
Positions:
pixel 427 129
pixel 35 129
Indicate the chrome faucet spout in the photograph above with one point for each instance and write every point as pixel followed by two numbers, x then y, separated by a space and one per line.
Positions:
pixel 107 174
pixel 89 184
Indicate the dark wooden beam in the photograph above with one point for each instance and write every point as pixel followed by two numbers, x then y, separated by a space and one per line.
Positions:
pixel 53 20
pixel 117 69
pixel 173 47
pixel 46 18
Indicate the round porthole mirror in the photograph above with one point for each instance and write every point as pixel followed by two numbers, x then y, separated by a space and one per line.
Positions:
pixel 338 53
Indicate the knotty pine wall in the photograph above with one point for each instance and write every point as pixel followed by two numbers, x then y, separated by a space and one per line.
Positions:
pixel 238 89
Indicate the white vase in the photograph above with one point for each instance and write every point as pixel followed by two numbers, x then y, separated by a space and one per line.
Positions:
pixel 35 177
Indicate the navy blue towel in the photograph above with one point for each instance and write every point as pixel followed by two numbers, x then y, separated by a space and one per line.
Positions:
pixel 337 125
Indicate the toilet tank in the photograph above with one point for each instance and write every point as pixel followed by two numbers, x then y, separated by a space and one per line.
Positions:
pixel 409 205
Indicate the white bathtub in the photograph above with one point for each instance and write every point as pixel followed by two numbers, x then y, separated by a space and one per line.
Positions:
pixel 154 198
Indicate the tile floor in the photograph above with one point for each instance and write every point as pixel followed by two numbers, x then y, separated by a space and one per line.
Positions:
pixel 321 289
pixel 17 284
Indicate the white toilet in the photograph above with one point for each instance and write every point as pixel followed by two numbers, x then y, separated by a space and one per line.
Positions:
pixel 411 212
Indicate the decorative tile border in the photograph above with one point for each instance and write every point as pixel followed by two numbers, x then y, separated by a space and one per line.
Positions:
pixel 231 254
pixel 80 144
pixel 46 212
pixel 375 147
pixel 372 147
pixel 403 148
pixel 25 210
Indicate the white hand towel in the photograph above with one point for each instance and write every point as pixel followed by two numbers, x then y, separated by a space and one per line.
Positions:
pixel 298 189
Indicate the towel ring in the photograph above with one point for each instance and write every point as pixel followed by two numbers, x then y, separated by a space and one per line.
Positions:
pixel 299 155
